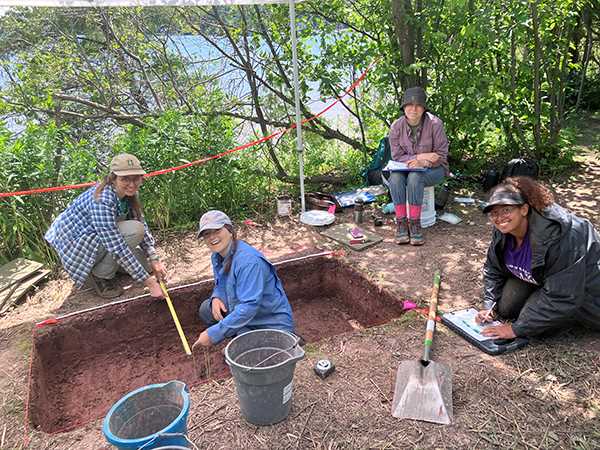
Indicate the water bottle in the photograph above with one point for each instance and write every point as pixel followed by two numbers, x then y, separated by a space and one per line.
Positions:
pixel 358 210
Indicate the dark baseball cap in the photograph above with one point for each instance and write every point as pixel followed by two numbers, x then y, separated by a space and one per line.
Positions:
pixel 503 196
pixel 414 95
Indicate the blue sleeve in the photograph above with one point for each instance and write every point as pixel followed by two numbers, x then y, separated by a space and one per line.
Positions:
pixel 249 287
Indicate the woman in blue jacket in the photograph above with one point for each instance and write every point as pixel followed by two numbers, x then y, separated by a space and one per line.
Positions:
pixel 248 294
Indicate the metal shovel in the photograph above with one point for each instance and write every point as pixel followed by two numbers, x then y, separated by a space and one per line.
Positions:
pixel 424 388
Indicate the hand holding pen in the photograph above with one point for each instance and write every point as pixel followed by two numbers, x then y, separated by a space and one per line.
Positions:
pixel 485 315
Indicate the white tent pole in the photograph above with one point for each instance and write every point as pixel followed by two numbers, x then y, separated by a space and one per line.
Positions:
pixel 299 143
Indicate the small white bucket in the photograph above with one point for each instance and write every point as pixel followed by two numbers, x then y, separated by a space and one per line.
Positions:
pixel 428 214
pixel 284 206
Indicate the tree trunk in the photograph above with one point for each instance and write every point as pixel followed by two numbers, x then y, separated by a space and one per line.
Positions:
pixel 513 87
pixel 405 33
pixel 587 20
pixel 537 58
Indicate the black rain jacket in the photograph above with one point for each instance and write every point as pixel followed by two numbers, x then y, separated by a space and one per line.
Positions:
pixel 565 262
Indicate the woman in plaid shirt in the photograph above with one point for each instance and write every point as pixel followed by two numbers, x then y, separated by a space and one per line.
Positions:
pixel 104 230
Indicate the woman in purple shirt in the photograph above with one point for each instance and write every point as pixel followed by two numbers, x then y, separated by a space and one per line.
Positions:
pixel 543 265
pixel 417 139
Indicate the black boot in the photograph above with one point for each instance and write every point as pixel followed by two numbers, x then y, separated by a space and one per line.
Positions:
pixel 416 235
pixel 402 231
pixel 105 288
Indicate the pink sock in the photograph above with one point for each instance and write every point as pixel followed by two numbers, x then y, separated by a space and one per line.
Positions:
pixel 400 211
pixel 414 211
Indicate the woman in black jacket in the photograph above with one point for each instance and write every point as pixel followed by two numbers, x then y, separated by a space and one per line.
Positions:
pixel 543 265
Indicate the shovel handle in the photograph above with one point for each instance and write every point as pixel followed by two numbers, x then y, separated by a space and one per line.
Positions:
pixel 432 313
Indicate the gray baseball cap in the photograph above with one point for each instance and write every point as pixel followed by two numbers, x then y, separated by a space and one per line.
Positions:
pixel 503 196
pixel 213 220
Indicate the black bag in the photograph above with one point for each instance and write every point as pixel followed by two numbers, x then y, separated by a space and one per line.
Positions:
pixel 490 179
pixel 520 167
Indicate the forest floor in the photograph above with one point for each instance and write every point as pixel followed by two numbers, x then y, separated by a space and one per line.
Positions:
pixel 546 395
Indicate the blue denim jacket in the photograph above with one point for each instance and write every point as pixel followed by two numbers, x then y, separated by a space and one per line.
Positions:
pixel 252 292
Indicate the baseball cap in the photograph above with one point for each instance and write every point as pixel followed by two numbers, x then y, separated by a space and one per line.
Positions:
pixel 503 196
pixel 125 164
pixel 213 220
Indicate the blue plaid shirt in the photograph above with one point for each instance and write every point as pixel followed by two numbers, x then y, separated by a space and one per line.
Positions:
pixel 77 233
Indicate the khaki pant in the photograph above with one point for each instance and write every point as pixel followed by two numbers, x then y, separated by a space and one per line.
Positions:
pixel 106 266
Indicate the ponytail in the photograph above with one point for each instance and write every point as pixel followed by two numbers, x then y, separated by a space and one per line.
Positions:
pixel 234 242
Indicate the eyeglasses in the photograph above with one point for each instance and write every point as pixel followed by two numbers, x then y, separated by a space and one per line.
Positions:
pixel 502 212
pixel 131 179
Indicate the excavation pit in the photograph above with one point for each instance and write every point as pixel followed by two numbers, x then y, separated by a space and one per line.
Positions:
pixel 89 360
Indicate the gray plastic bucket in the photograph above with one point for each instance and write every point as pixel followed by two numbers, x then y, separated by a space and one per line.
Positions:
pixel 262 363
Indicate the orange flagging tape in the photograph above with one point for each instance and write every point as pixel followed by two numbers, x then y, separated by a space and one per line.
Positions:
pixel 43 323
pixel 203 160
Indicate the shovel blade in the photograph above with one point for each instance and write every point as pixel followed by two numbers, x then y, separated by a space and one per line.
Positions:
pixel 423 391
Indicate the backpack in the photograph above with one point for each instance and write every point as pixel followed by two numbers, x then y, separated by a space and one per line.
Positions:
pixel 520 167
pixel 372 174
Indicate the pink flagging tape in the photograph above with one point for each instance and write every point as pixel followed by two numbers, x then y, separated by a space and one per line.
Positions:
pixel 203 160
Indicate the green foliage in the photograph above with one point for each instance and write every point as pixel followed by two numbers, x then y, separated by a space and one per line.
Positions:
pixel 178 198
pixel 84 84
pixel 40 156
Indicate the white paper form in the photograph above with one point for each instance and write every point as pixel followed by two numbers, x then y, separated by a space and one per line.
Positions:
pixel 465 320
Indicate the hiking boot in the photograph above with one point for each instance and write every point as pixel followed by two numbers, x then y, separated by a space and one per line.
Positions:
pixel 416 235
pixel 401 236
pixel 105 288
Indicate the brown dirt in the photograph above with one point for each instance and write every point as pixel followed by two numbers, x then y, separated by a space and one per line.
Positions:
pixel 544 396
pixel 133 344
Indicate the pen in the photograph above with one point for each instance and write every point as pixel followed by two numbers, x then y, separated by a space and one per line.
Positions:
pixel 487 316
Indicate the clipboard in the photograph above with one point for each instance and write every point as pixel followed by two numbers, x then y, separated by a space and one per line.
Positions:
pixel 396 166
pixel 490 346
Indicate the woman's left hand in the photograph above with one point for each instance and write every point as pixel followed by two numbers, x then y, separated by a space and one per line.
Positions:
pixel 202 340
pixel 159 270
pixel 503 331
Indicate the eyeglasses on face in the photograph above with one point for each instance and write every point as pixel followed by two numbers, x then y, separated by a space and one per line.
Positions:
pixel 501 212
pixel 131 179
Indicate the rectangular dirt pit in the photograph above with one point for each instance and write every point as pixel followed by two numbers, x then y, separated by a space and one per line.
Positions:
pixel 89 360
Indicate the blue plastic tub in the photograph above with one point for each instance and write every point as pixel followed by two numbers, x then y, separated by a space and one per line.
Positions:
pixel 150 417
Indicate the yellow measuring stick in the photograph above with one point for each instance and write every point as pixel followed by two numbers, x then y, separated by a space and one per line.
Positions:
pixel 184 341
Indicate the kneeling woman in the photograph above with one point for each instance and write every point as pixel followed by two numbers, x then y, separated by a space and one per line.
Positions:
pixel 248 294
pixel 543 264
pixel 104 229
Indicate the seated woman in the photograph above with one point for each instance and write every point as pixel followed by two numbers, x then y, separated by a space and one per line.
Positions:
pixel 417 139
pixel 104 230
pixel 543 264
pixel 248 294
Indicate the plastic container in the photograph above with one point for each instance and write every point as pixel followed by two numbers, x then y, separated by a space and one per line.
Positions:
pixel 428 214
pixel 172 447
pixel 262 363
pixel 284 206
pixel 150 417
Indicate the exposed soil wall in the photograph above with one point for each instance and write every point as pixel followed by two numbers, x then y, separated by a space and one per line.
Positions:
pixel 86 362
